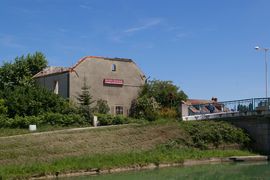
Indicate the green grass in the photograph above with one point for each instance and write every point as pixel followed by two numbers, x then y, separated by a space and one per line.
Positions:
pixel 162 141
pixel 17 131
pixel 106 161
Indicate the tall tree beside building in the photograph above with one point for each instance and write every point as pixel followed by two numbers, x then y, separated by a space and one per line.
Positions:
pixel 85 100
pixel 21 70
pixel 165 93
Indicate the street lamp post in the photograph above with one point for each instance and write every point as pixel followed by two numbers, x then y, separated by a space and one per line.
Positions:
pixel 266 73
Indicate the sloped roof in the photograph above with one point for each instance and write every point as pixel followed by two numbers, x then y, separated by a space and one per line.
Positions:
pixel 198 101
pixel 56 70
pixel 51 70
pixel 100 57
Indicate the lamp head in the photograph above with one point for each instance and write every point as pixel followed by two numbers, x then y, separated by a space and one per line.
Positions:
pixel 257 48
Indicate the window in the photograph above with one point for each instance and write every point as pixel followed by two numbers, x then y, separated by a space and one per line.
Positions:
pixel 56 87
pixel 119 110
pixel 113 67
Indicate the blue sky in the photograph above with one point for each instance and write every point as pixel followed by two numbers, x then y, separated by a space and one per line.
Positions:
pixel 205 47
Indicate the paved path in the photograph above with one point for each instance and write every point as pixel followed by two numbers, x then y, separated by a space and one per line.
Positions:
pixel 59 131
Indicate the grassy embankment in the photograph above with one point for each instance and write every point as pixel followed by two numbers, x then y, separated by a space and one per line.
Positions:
pixel 18 131
pixel 124 146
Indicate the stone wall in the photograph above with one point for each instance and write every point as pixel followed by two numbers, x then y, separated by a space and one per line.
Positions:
pixel 258 127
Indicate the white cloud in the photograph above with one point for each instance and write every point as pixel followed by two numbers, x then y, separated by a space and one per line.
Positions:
pixel 146 25
pixel 85 6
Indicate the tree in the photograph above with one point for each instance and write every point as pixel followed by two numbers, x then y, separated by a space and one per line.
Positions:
pixel 145 108
pixel 165 93
pixel 21 71
pixel 157 98
pixel 85 101
pixel 102 107
pixel 33 101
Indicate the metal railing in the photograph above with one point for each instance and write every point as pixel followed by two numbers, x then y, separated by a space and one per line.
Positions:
pixel 244 105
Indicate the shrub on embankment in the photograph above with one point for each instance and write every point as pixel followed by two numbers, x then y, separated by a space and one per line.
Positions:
pixel 53 119
pixel 108 119
pixel 213 134
pixel 123 146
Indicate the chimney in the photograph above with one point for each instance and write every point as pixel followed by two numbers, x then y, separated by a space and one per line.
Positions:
pixel 214 99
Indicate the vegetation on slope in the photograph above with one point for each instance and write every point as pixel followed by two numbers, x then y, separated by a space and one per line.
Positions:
pixel 110 147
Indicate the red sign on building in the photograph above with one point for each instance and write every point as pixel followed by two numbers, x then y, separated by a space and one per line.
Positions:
pixel 113 81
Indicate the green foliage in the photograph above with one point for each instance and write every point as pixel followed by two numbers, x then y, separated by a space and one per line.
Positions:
pixel 21 71
pixel 32 101
pixel 156 95
pixel 85 98
pixel 165 93
pixel 107 119
pixel 168 113
pixel 102 107
pixel 144 107
pixel 205 133
pixel 85 101
pixel 24 103
pixel 63 119
pixel 3 108
pixel 19 121
pixel 55 119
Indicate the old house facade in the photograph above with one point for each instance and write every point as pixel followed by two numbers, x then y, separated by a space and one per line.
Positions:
pixel 115 80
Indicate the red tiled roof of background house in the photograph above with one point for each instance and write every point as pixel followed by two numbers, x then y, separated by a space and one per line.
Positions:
pixel 198 101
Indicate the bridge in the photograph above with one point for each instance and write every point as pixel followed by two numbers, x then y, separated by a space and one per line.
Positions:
pixel 252 115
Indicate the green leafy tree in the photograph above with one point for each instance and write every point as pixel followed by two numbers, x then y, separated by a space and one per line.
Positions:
pixel 85 101
pixel 21 70
pixel 165 93
pixel 33 101
pixel 102 107
pixel 158 98
pixel 144 108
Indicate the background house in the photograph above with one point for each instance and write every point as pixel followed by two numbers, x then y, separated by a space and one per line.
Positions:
pixel 116 80
pixel 199 106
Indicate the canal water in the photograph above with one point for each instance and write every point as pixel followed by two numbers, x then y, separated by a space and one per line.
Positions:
pixel 209 172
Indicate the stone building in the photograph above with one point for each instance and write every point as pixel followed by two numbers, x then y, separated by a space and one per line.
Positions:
pixel 115 80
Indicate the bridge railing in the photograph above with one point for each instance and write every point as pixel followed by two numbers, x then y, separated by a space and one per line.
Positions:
pixel 244 105
pixel 261 104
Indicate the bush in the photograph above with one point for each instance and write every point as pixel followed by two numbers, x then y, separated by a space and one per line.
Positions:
pixel 63 120
pixel 33 101
pixel 102 107
pixel 19 122
pixel 205 133
pixel 3 108
pixel 54 119
pixel 168 113
pixel 107 119
pixel 144 108
pixel 3 121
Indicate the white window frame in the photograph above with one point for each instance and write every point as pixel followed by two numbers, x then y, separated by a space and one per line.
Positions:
pixel 113 67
